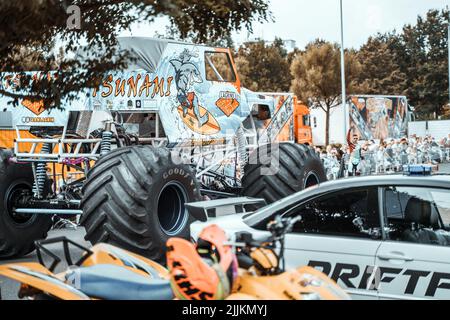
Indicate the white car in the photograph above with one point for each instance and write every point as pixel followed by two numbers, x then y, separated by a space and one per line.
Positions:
pixel 379 237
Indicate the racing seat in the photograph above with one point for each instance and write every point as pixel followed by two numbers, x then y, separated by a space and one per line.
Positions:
pixel 112 282
pixel 423 219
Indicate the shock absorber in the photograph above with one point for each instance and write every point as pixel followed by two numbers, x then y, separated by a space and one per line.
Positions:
pixel 41 172
pixel 242 150
pixel 105 144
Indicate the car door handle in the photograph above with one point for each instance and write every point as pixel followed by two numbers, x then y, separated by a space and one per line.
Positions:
pixel 394 256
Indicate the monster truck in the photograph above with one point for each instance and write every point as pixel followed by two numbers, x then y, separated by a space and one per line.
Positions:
pixel 175 127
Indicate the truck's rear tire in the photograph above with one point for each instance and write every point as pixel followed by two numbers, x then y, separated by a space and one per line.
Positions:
pixel 18 232
pixel 276 171
pixel 134 198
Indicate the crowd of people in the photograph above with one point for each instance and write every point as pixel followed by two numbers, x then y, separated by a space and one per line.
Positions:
pixel 383 156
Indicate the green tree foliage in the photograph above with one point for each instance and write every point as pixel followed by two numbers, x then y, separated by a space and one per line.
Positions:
pixel 264 67
pixel 428 64
pixel 446 112
pixel 413 62
pixel 32 27
pixel 174 34
pixel 317 76
pixel 380 72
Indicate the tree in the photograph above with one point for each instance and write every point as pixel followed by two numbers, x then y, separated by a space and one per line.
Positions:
pixel 264 67
pixel 291 55
pixel 174 34
pixel 413 63
pixel 317 77
pixel 38 25
pixel 420 51
pixel 446 112
pixel 380 72
pixel 423 58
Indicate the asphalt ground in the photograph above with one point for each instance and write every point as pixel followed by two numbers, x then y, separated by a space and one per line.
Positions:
pixel 9 288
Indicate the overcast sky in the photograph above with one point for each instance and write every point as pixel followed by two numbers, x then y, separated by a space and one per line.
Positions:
pixel 306 20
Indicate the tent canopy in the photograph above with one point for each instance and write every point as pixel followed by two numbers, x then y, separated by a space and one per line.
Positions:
pixel 145 52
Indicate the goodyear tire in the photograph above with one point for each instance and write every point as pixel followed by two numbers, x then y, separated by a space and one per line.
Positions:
pixel 134 198
pixel 18 232
pixel 276 171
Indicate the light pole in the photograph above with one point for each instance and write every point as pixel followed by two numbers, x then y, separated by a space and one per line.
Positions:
pixel 344 95
pixel 448 46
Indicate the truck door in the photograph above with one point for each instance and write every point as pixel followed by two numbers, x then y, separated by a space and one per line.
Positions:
pixel 414 259
pixel 225 91
pixel 302 124
pixel 339 234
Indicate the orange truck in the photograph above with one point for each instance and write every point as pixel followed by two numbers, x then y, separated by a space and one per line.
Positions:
pixel 301 131
pixel 302 123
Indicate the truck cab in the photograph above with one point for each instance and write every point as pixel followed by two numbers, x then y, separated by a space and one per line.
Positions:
pixel 302 123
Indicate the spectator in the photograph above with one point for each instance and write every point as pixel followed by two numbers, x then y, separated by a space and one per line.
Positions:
pixel 355 151
pixel 446 142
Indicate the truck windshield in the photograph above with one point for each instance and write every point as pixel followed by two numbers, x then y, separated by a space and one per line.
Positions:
pixel 218 67
pixel 307 120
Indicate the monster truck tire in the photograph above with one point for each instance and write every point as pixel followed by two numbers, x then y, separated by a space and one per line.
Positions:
pixel 134 198
pixel 267 177
pixel 18 232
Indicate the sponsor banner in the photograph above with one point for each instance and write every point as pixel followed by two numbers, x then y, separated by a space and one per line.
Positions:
pixel 378 117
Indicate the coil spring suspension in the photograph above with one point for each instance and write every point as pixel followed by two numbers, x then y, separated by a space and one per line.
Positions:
pixel 41 173
pixel 105 144
pixel 242 152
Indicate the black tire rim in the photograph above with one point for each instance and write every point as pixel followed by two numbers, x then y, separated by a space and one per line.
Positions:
pixel 172 213
pixel 12 196
pixel 311 180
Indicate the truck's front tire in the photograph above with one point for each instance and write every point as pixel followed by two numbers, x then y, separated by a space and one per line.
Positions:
pixel 275 171
pixel 134 198
pixel 18 232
